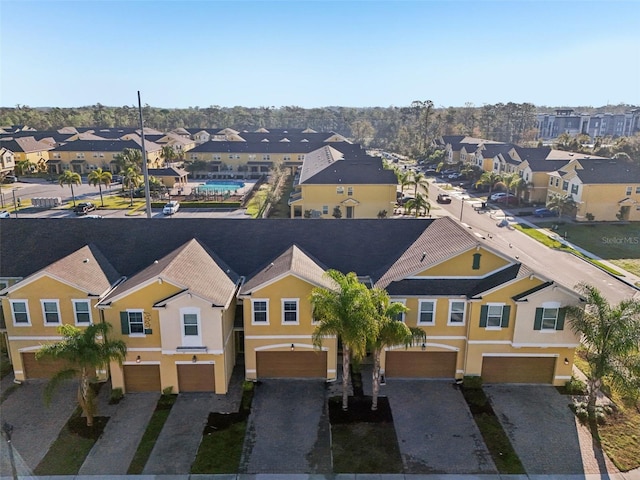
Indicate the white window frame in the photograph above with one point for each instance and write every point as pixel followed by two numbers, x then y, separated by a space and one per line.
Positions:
pixel 191 340
pixel 550 306
pixel 433 315
pixel 464 312
pixel 253 311
pixel 629 190
pixel 13 313
pixel 141 312
pixel 350 191
pixel 56 302
pixel 403 315
pixel 75 302
pixel 297 311
pixel 340 190
pixel 499 326
pixel 325 209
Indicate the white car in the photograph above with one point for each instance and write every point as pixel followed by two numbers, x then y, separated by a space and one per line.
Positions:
pixel 496 196
pixel 171 207
pixel 5 214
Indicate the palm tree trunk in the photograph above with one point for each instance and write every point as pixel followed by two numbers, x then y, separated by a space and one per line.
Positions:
pixel 73 197
pixel 84 397
pixel 346 358
pixel 101 199
pixel 376 379
pixel 594 388
pixel 131 195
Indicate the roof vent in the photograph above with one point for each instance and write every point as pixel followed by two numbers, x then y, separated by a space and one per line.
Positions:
pixel 86 260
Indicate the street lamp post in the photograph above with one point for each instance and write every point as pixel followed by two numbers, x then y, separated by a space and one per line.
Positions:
pixel 15 205
pixel 461 207
pixel 8 429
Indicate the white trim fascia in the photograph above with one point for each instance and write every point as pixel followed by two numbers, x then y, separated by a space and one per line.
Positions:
pixel 131 290
pixel 151 362
pixel 45 338
pixel 38 276
pixel 532 355
pixel 280 277
pixel 427 344
pixel 505 284
pixel 288 345
pixel 281 337
pixel 192 351
pixel 197 362
pixel 545 345
pixel 145 349
pixel 448 337
pixel 251 370
pixel 490 342
pixel 562 377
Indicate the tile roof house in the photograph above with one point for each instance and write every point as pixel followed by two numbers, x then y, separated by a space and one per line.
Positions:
pixel 193 297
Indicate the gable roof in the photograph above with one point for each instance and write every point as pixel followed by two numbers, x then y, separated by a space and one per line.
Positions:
pixel 104 146
pixel 293 261
pixel 191 266
pixel 25 144
pixel 602 171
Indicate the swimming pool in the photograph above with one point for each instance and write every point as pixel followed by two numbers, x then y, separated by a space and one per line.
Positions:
pixel 221 186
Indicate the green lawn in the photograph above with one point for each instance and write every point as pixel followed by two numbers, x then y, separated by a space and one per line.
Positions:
pixel 365 448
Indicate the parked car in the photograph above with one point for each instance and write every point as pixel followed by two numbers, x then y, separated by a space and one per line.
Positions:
pixel 5 214
pixel 430 171
pixel 10 179
pixel 171 207
pixel 510 200
pixel 496 196
pixel 544 212
pixel 443 198
pixel 116 178
pixel 403 201
pixel 83 208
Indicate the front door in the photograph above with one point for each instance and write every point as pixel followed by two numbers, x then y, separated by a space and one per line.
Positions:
pixel 349 212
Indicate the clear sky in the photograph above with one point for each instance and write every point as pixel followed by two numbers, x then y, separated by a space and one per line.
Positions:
pixel 318 53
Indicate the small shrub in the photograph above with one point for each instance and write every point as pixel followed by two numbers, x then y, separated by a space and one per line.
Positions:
pixel 116 395
pixel 168 390
pixel 601 417
pixel 576 387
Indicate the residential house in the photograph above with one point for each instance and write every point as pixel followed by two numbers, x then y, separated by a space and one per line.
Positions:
pixel 202 293
pixel 172 177
pixel 607 189
pixel 28 149
pixel 355 184
pixel 7 161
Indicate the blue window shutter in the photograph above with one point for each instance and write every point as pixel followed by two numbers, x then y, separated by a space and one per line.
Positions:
pixel 124 322
pixel 537 324
pixel 560 323
pixel 484 313
pixel 505 316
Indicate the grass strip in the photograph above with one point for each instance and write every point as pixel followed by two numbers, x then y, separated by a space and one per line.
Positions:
pixel 504 456
pixel 70 449
pixel 150 436
pixel 220 450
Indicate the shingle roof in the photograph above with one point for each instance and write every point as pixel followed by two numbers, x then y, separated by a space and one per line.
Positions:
pixel 347 170
pixel 597 171
pixel 492 149
pixel 25 144
pixel 167 172
pixel 104 146
pixel 294 261
pixel 190 266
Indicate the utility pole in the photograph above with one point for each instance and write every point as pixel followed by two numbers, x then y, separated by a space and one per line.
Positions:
pixel 145 169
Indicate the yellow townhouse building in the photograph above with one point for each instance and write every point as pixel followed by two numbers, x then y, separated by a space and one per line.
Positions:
pixel 204 296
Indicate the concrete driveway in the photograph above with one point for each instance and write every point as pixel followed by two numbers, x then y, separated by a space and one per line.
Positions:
pixel 288 429
pixel 540 426
pixel 36 425
pixel 436 432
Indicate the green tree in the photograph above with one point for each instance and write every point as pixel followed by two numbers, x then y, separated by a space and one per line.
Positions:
pixel 490 179
pixel 511 182
pixel 345 311
pixel 418 180
pixel 22 167
pixel 611 337
pixel 129 157
pixel 418 204
pixel 168 154
pixel 389 332
pixel 404 179
pixel 70 178
pixel 99 177
pixel 471 172
pixel 561 204
pixel 84 351
pixel 131 179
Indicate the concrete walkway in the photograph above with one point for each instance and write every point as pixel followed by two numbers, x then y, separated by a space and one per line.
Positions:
pixel 114 450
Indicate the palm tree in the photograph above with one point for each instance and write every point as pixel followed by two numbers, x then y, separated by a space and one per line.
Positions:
pixel 346 312
pixel 490 179
pixel 560 204
pixel 611 336
pixel 129 157
pixel 84 351
pixel 390 332
pixel 418 204
pixel 70 178
pixel 22 167
pixel 419 180
pixel 98 178
pixel 511 181
pixel 404 179
pixel 131 179
pixel 168 154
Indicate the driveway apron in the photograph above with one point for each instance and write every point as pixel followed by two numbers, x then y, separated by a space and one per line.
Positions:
pixel 178 442
pixel 114 450
pixel 540 426
pixel 288 429
pixel 436 432
pixel 32 419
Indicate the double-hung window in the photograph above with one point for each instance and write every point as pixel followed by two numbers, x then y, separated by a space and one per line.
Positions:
pixel 82 312
pixel 549 317
pixel 260 314
pixel 494 315
pixel 20 312
pixel 51 312
pixel 456 312
pixel 290 311
pixel 191 333
pixel 427 312
pixel 136 322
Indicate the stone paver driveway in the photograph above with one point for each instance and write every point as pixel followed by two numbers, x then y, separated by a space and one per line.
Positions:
pixel 541 427
pixel 288 429
pixel 436 432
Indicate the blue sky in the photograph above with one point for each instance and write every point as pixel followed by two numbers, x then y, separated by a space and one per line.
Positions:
pixel 318 53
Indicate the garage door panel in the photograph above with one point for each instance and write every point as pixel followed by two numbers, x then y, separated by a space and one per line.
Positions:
pixel 142 378
pixel 42 368
pixel 291 364
pixel 518 369
pixel 196 378
pixel 421 364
